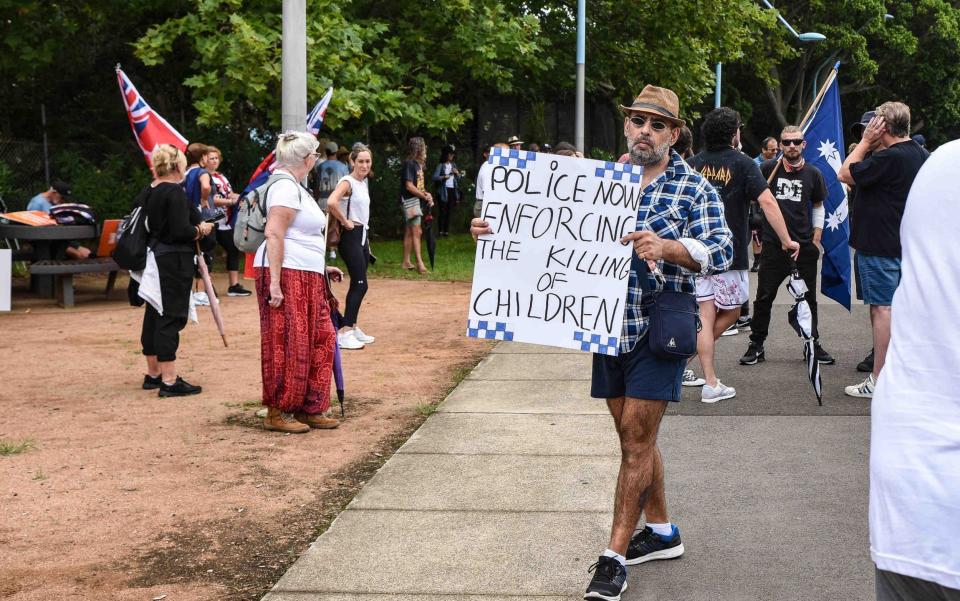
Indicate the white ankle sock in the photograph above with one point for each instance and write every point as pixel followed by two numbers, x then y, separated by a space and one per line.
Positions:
pixel 662 529
pixel 615 555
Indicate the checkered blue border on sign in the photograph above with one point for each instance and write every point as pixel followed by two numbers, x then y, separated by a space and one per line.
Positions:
pixel 620 172
pixel 592 343
pixel 508 157
pixel 491 330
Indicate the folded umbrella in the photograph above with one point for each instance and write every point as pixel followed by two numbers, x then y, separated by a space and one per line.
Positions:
pixel 337 320
pixel 801 320
pixel 429 234
pixel 208 286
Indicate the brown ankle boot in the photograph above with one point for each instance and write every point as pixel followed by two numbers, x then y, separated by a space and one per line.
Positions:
pixel 283 422
pixel 317 420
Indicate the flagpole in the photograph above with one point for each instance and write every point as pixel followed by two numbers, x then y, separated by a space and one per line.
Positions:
pixel 810 111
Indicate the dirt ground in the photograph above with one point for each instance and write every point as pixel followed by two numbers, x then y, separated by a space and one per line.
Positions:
pixel 127 496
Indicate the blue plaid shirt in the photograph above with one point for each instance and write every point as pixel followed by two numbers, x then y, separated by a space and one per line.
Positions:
pixel 680 203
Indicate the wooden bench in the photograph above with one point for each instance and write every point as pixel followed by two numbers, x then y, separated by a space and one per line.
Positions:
pixel 64 270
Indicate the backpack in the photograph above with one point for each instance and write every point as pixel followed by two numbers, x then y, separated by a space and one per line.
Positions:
pixel 133 235
pixel 252 215
pixel 73 214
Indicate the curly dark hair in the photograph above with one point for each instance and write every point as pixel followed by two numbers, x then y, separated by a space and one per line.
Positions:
pixel 719 126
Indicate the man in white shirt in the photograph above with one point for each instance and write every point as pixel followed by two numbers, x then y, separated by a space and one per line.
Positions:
pixel 482 176
pixel 915 435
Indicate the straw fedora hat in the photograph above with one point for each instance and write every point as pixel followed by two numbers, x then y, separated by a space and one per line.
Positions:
pixel 657 101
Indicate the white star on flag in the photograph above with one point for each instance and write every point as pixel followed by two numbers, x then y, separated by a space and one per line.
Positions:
pixel 828 151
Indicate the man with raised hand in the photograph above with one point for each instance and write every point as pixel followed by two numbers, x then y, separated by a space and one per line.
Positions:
pixel 681 231
pixel 882 181
pixel 721 296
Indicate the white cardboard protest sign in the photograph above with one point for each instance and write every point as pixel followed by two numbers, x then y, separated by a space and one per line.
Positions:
pixel 6 273
pixel 553 271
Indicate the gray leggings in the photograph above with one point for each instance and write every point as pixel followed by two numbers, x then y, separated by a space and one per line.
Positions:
pixel 897 587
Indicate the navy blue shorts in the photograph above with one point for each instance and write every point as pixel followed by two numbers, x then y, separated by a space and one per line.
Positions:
pixel 638 374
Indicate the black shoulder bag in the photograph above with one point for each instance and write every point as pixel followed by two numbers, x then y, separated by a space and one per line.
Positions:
pixel 674 316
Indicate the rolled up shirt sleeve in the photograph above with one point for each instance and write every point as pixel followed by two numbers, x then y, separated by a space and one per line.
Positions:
pixel 709 240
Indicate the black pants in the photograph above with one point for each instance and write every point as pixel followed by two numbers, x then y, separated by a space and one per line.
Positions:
pixel 355 252
pixel 160 335
pixel 774 270
pixel 446 208
pixel 225 239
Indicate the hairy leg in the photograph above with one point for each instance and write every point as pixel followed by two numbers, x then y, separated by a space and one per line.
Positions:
pixel 641 471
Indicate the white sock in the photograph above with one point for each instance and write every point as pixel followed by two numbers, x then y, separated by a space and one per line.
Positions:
pixel 615 555
pixel 665 530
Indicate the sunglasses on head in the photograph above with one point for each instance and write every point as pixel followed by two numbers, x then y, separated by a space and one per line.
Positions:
pixel 792 142
pixel 656 124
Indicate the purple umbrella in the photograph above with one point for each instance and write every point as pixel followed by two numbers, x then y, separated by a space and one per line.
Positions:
pixel 336 318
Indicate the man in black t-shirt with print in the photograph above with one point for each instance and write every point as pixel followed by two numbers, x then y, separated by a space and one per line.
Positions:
pixel 739 181
pixel 883 180
pixel 800 191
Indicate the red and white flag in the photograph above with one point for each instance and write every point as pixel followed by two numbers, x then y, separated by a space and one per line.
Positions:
pixel 149 128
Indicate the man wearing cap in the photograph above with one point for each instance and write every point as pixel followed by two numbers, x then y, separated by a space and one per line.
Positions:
pixel 515 143
pixel 327 174
pixel 58 193
pixel 681 231
pixel 882 182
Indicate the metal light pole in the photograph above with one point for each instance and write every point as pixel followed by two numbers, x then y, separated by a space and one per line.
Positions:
pixel 293 96
pixel 811 36
pixel 581 72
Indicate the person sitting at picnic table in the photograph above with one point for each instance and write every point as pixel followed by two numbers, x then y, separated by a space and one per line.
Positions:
pixel 175 226
pixel 297 339
pixel 58 193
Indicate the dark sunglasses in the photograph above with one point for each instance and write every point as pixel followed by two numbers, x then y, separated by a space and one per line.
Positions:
pixel 792 142
pixel 655 124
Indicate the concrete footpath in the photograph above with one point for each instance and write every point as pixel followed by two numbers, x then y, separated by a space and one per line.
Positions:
pixel 506 491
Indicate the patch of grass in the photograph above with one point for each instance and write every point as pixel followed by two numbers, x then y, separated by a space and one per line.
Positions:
pixel 453 261
pixel 14 447
pixel 426 409
pixel 243 405
pixel 40 475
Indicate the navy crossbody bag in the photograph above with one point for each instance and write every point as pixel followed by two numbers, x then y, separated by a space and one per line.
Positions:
pixel 674 317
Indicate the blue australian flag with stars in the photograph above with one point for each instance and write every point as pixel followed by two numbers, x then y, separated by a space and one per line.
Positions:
pixel 824 135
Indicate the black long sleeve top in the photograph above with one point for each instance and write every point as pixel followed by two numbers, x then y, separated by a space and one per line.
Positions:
pixel 170 215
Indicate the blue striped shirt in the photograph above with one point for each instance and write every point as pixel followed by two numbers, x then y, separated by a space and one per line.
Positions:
pixel 679 203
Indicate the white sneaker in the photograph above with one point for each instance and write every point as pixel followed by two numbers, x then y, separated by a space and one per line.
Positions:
pixel 348 341
pixel 712 394
pixel 201 298
pixel 358 333
pixel 691 379
pixel 863 390
pixel 731 331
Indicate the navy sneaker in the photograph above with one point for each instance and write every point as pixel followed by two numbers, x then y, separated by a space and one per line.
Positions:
pixel 609 580
pixel 647 545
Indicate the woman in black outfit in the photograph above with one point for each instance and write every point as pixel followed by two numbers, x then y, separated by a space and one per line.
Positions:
pixel 174 225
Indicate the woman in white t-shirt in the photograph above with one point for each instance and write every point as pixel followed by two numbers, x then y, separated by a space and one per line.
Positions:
pixel 297 339
pixel 349 203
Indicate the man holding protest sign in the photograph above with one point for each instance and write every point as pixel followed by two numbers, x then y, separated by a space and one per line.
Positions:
pixel 680 232
pixel 721 296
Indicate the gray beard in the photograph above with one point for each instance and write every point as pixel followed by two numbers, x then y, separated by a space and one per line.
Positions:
pixel 648 158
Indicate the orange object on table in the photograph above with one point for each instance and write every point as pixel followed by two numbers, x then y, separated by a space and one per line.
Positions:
pixel 38 218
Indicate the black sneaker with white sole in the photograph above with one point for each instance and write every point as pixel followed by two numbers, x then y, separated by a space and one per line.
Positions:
pixel 823 357
pixel 609 580
pixel 238 290
pixel 151 382
pixel 647 545
pixel 179 388
pixel 753 355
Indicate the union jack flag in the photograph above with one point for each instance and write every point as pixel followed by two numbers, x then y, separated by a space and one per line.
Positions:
pixel 268 164
pixel 149 128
